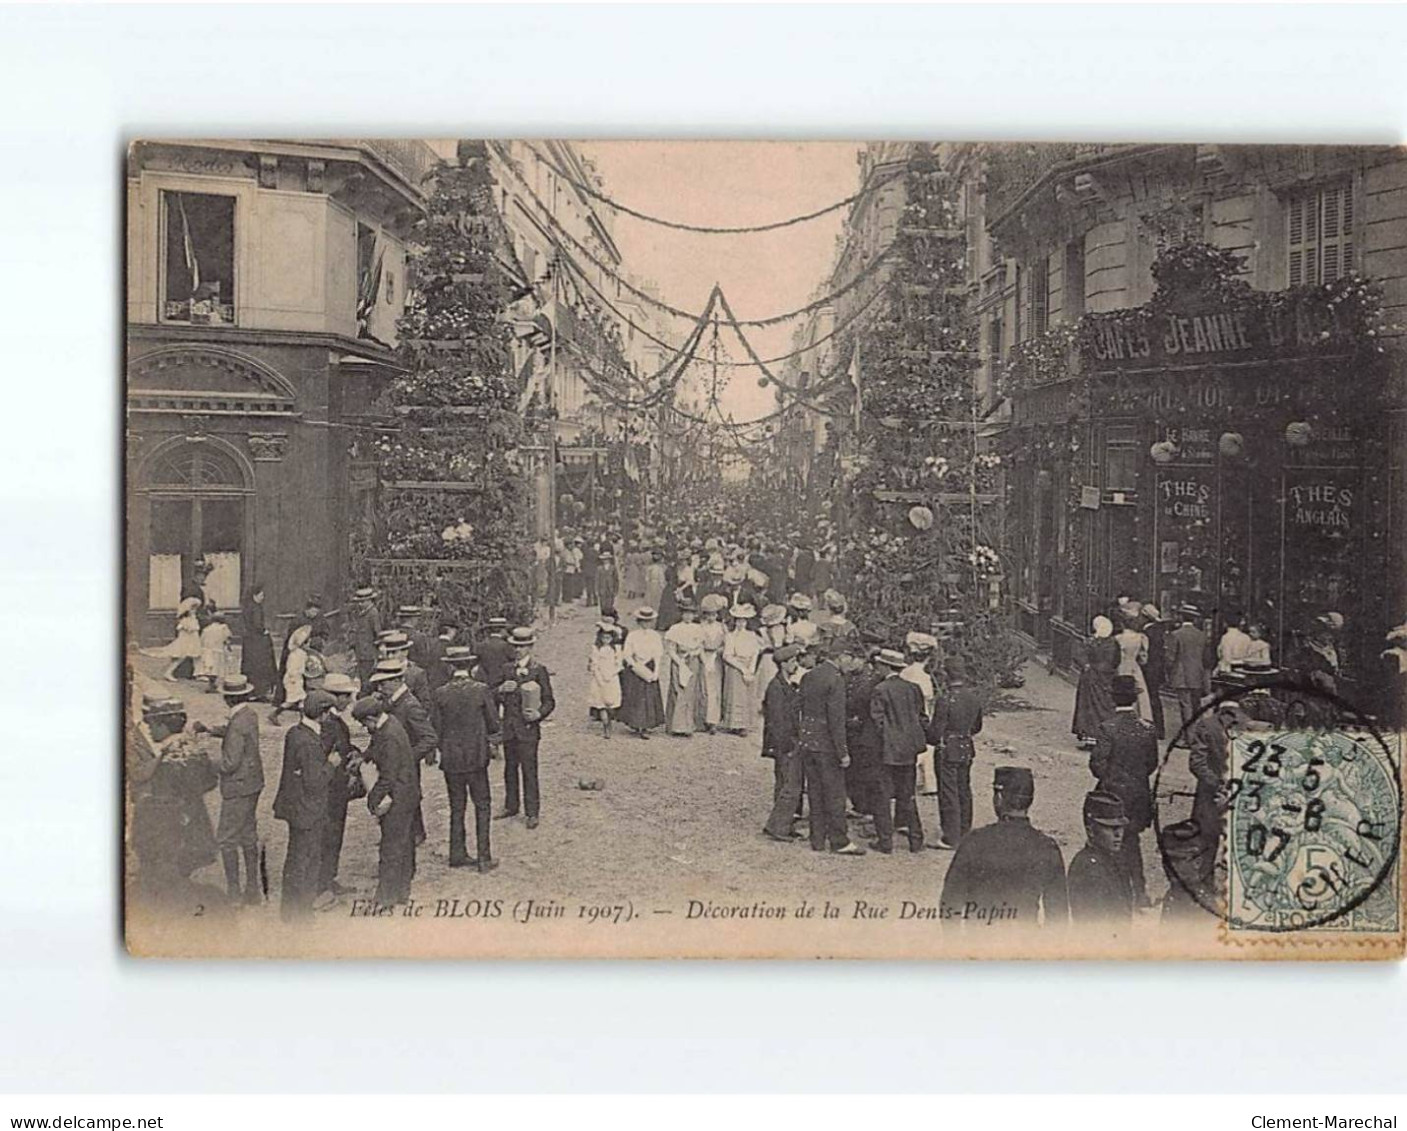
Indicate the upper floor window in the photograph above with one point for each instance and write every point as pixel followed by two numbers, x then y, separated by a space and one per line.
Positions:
pixel 197 281
pixel 1319 234
pixel 1073 296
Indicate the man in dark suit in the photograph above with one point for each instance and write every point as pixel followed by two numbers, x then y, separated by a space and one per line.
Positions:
pixel 1209 759
pixel 436 670
pixel 395 644
pixel 896 707
pixel 241 771
pixel 862 737
pixel 1186 667
pixel 337 736
pixel 389 680
pixel 1099 883
pixel 393 800
pixel 302 802
pixel 364 628
pixel 957 717
pixel 781 724
pixel 825 754
pixel 408 620
pixel 525 697
pixel 466 719
pixel 495 653
pixel 1005 874
pixel 1124 757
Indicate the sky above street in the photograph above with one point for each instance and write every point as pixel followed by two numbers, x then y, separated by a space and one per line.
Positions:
pixel 727 184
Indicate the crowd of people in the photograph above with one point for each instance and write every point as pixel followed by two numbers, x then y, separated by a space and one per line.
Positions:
pixel 722 639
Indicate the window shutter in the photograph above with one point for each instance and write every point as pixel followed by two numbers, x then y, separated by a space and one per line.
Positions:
pixel 1294 241
pixel 1337 232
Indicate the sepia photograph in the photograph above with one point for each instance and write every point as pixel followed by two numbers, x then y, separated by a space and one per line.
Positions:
pixel 763 549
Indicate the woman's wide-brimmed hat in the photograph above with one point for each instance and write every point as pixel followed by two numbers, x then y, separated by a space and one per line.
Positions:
pixel 774 614
pixel 835 601
pixel 713 603
pixel 800 602
pixel 742 611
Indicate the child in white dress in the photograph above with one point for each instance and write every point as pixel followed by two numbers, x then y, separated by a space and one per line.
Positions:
pixel 603 667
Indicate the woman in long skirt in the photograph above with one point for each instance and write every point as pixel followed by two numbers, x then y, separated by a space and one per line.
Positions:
pixel 713 636
pixel 1133 654
pixel 1094 696
pixel 654 579
pixel 641 705
pixel 184 649
pixel 256 658
pixel 683 645
pixel 741 652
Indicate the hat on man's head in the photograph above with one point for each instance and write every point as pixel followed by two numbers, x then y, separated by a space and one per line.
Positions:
pixel 921 642
pixel 162 706
pixel 394 641
pixel 496 623
pixel 871 637
pixel 317 703
pixel 1189 610
pixel 1103 808
pixel 1016 784
pixel 786 652
pixel 236 687
pixel 365 593
pixel 686 605
pixel 644 613
pixel 522 638
pixel 409 611
pixel 1124 688
pixel 892 658
pixel 393 667
pixel 460 654
pixel 339 683
pixel 368 707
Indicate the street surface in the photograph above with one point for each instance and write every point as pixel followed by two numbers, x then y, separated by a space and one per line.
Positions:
pixel 677 817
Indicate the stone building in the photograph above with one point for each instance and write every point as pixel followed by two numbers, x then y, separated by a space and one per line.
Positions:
pixel 264 282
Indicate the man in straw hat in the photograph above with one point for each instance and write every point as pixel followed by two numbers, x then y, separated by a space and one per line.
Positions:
pixel 526 700
pixel 1186 667
pixel 1007 873
pixel 896 706
pixel 1099 884
pixel 346 783
pixel 393 800
pixel 302 802
pixel 241 773
pixel 389 680
pixel 363 628
pixel 466 719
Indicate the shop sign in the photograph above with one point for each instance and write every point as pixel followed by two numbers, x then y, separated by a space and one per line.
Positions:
pixel 1231 334
pixel 1186 497
pixel 1194 445
pixel 1320 502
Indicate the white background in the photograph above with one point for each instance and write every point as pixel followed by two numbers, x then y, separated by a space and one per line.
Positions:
pixel 76 1014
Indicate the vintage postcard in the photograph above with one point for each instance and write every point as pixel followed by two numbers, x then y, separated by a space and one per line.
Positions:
pixel 738 549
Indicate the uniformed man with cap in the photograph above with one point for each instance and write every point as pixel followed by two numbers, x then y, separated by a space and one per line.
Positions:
pixel 394 800
pixel 1006 873
pixel 302 802
pixel 466 719
pixel 1124 758
pixel 526 700
pixel 389 680
pixel 1099 884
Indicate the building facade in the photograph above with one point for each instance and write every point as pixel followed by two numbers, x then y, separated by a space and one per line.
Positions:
pixel 264 284
pixel 1204 384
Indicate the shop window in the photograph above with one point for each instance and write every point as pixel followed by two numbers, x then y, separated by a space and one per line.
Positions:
pixel 197 284
pixel 1121 459
pixel 1319 234
pixel 1073 304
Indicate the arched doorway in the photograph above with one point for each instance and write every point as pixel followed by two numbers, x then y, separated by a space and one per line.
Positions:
pixel 196 495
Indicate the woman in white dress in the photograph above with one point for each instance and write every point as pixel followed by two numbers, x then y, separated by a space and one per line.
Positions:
pixel 741 651
pixel 294 669
pixel 1133 654
pixel 683 645
pixel 714 634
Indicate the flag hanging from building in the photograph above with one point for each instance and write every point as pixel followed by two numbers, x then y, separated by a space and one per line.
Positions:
pixel 854 374
pixel 188 245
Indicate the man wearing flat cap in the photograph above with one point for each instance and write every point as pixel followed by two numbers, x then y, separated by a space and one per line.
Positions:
pixel 466 719
pixel 394 800
pixel 1007 873
pixel 1124 758
pixel 1099 884
pixel 302 802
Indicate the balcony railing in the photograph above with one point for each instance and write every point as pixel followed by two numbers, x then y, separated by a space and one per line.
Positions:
pixel 408 158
